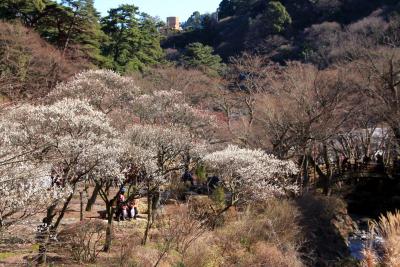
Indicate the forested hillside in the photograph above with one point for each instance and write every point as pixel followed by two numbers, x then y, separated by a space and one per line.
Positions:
pixel 264 134
pixel 73 34
pixel 287 30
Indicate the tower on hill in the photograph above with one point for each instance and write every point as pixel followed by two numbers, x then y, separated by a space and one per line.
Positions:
pixel 173 23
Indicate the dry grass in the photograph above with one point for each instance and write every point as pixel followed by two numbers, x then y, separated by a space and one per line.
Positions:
pixel 370 258
pixel 388 227
pixel 266 235
pixel 83 240
pixel 29 66
pixel 204 252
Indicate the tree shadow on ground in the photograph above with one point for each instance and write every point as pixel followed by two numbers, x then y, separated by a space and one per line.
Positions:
pixel 325 224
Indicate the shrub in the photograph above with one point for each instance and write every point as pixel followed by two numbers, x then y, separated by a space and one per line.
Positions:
pixel 199 56
pixel 281 219
pixel 201 174
pixel 203 253
pixel 218 196
pixel 84 240
pixel 266 235
pixel 29 66
pixel 177 188
pixel 274 222
pixel 126 250
pixel 178 231
pixel 326 225
pixel 264 254
pixel 205 209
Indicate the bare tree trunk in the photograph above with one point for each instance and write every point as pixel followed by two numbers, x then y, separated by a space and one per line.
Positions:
pixel 93 198
pixel 43 235
pixel 69 32
pixel 328 177
pixel 396 131
pixel 62 212
pixel 155 204
pixel 306 178
pixel 81 206
pixel 49 229
pixel 149 218
pixel 109 229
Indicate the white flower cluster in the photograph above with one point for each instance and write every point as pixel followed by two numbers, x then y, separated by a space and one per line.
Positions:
pixel 170 108
pixel 107 91
pixel 103 89
pixel 25 190
pixel 67 140
pixel 252 174
pixel 161 148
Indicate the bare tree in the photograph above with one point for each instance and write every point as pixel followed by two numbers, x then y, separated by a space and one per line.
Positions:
pixel 379 79
pixel 303 108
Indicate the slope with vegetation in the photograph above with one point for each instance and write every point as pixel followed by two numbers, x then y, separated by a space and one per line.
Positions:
pixel 279 29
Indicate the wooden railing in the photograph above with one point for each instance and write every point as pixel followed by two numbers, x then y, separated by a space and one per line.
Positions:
pixel 359 171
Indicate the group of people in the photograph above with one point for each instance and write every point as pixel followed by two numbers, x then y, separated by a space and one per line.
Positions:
pixel 354 164
pixel 126 209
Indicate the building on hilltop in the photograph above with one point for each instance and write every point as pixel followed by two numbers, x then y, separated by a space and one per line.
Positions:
pixel 173 23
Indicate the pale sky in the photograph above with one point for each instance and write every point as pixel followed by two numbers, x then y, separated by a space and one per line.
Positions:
pixel 163 8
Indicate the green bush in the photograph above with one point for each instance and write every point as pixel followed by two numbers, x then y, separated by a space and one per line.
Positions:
pixel 199 56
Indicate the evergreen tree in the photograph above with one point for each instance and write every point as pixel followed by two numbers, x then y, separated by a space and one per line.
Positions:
pixel 200 56
pixel 150 49
pixel 226 9
pixel 134 41
pixel 194 21
pixel 90 35
pixel 72 25
pixel 276 18
pixel 29 12
pixel 229 8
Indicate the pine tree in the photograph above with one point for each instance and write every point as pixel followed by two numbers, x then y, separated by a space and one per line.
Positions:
pixel 194 21
pixel 229 8
pixel 28 12
pixel 71 25
pixel 201 56
pixel 276 18
pixel 134 41
pixel 89 36
pixel 74 27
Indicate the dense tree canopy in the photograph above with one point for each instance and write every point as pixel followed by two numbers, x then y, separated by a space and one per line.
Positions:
pixel 125 40
pixel 133 39
pixel 276 18
pixel 231 7
pixel 194 21
pixel 72 26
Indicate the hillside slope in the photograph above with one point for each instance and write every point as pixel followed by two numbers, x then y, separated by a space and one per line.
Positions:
pixel 246 29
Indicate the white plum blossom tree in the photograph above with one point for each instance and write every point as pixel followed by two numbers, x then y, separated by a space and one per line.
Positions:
pixel 167 144
pixel 71 136
pixel 25 189
pixel 111 173
pixel 159 150
pixel 170 108
pixel 251 175
pixel 124 102
pixel 105 90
